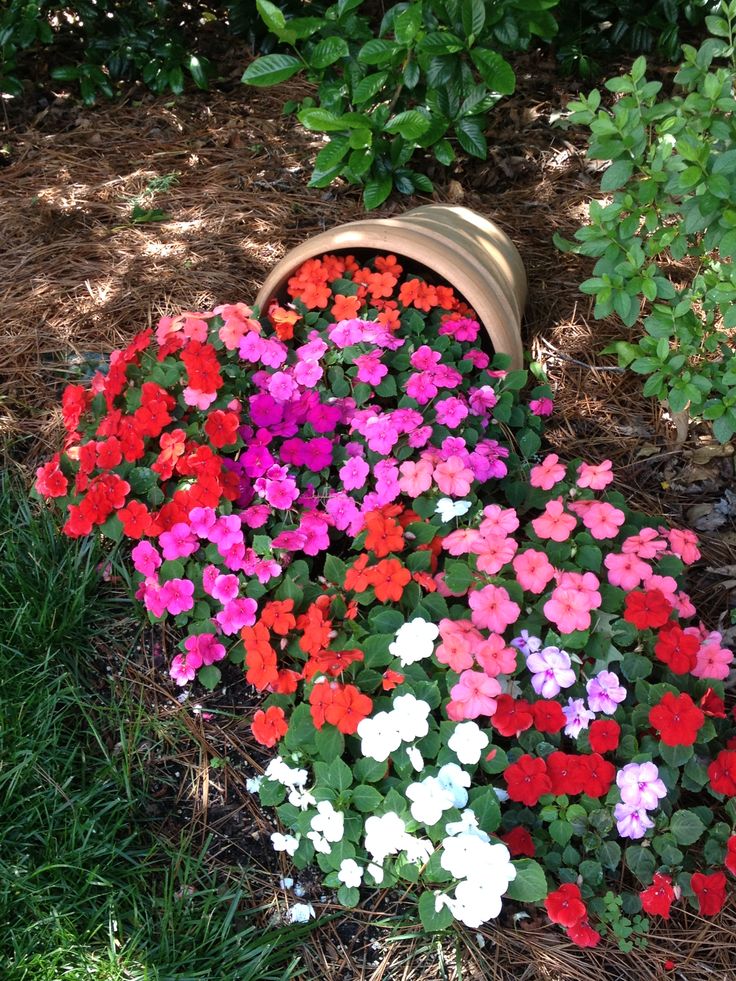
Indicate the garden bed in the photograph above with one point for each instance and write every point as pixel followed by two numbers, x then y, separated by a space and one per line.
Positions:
pixel 82 275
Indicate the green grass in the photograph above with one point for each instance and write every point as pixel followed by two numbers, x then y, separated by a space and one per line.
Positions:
pixel 86 890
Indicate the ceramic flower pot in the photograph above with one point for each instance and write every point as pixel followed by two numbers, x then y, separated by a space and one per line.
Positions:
pixel 464 249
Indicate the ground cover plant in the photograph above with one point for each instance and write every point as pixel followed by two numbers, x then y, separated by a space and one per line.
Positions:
pixel 363 438
pixel 664 237
pixel 86 890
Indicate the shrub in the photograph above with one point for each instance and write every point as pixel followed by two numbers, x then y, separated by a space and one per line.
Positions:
pixel 481 677
pixel 425 81
pixel 665 237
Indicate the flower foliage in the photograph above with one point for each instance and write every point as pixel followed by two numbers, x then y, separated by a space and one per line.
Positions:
pixel 483 677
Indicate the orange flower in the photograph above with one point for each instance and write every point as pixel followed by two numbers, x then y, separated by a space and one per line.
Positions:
pixel 388 263
pixel 331 662
pixel 347 709
pixel 320 698
pixel 356 578
pixel 316 630
pixel 391 679
pixel 389 578
pixel 345 307
pixel 269 726
pixel 416 293
pixel 380 285
pixel 283 321
pixel 389 316
pixel 425 581
pixel 287 682
pixel 279 617
pixel 351 613
pixel 262 670
pixel 384 534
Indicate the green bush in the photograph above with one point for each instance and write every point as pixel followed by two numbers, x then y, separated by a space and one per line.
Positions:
pixel 671 188
pixel 425 80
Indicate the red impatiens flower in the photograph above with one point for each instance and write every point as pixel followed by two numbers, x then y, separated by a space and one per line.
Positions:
pixel 389 578
pixel 512 715
pixel 582 934
pixel 527 780
pixel 136 519
pixel 677 649
pixel 347 709
pixel 565 905
pixel 50 481
pixel 710 890
pixel 657 899
pixel 722 773
pixel 677 719
pixel 520 842
pixel 604 735
pixel 648 608
pixel 567 773
pixel 599 777
pixel 269 726
pixel 730 860
pixel 548 715
pixel 390 679
pixel 222 428
pixel 712 705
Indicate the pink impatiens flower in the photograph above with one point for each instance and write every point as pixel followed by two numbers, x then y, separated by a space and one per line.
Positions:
pixel 179 542
pixel 646 545
pixel 493 552
pixel 533 570
pixel 568 609
pixel 554 523
pixel 416 478
pixel 602 520
pixel 495 657
pixel 542 406
pixel 547 473
pixel 453 477
pixel 184 667
pixel 626 571
pixel 596 476
pixel 713 661
pixel 353 473
pixel 204 646
pixel 684 543
pixel 459 640
pixel 473 695
pixel 493 608
pixel 146 559
pixel 177 596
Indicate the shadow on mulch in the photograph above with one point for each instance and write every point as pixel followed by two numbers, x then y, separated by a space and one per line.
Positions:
pixel 78 277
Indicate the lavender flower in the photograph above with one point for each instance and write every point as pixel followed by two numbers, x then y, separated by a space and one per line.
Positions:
pixel 640 785
pixel 551 671
pixel 577 716
pixel 526 643
pixel 605 692
pixel 632 822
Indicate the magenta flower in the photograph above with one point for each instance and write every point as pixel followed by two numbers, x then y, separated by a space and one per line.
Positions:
pixel 421 388
pixel 371 370
pixel 177 596
pixel 202 520
pixel 184 667
pixel 541 407
pixel 179 542
pixel 236 614
pixel 605 693
pixel 146 559
pixel 225 588
pixel 204 646
pixel 353 473
pixel 451 412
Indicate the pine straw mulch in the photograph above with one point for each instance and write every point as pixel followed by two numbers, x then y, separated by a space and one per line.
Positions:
pixel 79 277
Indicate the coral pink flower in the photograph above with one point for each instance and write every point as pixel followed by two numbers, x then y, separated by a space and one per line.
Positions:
pixel 416 478
pixel 646 545
pixel 494 552
pixel 596 476
pixel 554 523
pixel 603 520
pixel 498 520
pixel 453 477
pixel 684 543
pixel 626 571
pixel 493 608
pixel 547 473
pixel 473 695
pixel 568 609
pixel 495 657
pixel 461 541
pixel 459 639
pixel 585 583
pixel 713 661
pixel 533 570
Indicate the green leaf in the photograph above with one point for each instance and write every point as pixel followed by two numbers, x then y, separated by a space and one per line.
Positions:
pixel 561 832
pixel 409 124
pixel 321 120
pixel 367 87
pixel 609 854
pixel 433 921
pixel 686 827
pixel 470 137
pixel 495 71
pixel 530 884
pixel 366 798
pixel 328 51
pixel 271 16
pixel 641 862
pixel 634 666
pixel 444 153
pixel 617 175
pixel 376 191
pixel 329 742
pixel 270 70
pixel 348 896
pixel 209 676
pixel 329 161
pixel 197 71
pixel 473 16
pixel 377 51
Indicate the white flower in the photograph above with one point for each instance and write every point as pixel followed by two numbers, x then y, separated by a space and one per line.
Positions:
pixel 476 902
pixel 379 736
pixel 280 771
pixel 384 835
pixel 350 873
pixel 417 850
pixel 468 742
pixel 376 871
pixel 414 641
pixel 502 795
pixel 415 758
pixel 454 780
pixel 253 784
pixel 321 844
pixel 328 822
pixel 301 913
pixel 429 799
pixel 284 843
pixel 468 824
pixel 409 715
pixel 287 882
pixel 301 799
pixel 448 509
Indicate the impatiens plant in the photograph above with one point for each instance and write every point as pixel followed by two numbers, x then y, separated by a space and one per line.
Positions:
pixel 480 678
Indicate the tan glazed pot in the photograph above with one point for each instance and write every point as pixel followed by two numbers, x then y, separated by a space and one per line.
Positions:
pixel 463 248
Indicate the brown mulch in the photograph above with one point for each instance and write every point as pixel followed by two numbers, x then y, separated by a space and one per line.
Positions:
pixel 78 277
